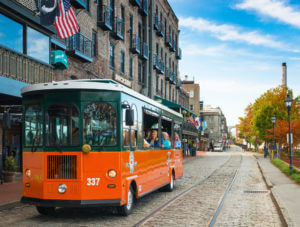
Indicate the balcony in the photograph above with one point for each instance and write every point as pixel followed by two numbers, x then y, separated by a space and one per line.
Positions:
pixel 174 80
pixel 79 4
pixel 105 17
pixel 169 40
pixel 20 67
pixel 135 2
pixel 173 49
pixel 119 33
pixel 62 43
pixel 156 62
pixel 170 76
pixel 179 54
pixel 80 46
pixel 162 67
pixel 136 44
pixel 179 83
pixel 144 9
pixel 145 54
pixel 161 30
pixel 156 22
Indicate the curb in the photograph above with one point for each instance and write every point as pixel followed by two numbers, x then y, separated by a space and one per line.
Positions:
pixel 283 213
pixel 9 205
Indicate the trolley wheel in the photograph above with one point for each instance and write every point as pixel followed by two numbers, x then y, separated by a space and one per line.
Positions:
pixel 127 209
pixel 45 210
pixel 170 187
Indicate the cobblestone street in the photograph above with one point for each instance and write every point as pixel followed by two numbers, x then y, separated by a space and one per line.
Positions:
pixel 195 208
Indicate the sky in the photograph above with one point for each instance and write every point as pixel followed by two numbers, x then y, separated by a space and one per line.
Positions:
pixel 234 49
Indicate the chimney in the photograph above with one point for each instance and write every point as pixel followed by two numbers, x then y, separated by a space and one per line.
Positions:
pixel 186 77
pixel 284 77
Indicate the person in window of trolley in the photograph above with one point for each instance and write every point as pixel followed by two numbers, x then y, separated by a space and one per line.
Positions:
pixel 165 142
pixel 177 142
pixel 153 141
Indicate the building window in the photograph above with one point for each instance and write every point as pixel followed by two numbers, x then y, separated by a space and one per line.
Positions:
pixel 88 5
pixel 123 19
pixel 140 72
pixel 162 87
pixel 191 107
pixel 130 30
pixel 112 56
pixel 37 45
pixel 122 62
pixel 12 37
pixel 170 92
pixel 94 43
pixel 156 87
pixel 130 68
pixel 191 93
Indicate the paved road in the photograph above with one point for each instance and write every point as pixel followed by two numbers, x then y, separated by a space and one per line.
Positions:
pixel 193 209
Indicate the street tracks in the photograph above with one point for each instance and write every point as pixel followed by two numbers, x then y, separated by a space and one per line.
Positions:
pixel 197 204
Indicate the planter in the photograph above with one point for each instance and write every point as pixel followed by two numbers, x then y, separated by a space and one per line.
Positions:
pixel 8 176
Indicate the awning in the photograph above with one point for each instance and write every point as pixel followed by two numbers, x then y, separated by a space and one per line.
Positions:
pixel 11 87
pixel 172 105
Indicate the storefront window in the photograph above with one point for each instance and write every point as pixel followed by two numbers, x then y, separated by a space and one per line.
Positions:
pixel 62 125
pixel 100 124
pixel 11 34
pixel 37 45
pixel 33 126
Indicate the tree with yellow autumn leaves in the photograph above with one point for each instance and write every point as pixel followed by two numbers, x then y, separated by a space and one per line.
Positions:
pixel 256 125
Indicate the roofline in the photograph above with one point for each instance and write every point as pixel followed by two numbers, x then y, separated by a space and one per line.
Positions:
pixel 95 84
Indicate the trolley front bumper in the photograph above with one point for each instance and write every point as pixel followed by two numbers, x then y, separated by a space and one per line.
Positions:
pixel 71 203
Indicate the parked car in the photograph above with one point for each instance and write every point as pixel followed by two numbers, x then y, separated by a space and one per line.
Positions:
pixel 218 147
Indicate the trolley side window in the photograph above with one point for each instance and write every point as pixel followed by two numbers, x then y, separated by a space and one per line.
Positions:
pixel 33 126
pixel 177 135
pixel 62 125
pixel 151 129
pixel 130 130
pixel 100 124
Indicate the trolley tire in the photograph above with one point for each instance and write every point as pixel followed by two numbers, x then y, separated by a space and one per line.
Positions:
pixel 127 209
pixel 46 210
pixel 170 187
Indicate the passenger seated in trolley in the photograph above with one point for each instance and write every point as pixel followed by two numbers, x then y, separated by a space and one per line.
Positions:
pixel 154 141
pixel 165 142
pixel 177 141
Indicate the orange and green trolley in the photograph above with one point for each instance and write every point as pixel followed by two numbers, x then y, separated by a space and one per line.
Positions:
pixel 84 145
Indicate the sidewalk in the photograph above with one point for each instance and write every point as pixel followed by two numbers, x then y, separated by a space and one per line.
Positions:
pixel 285 191
pixel 10 193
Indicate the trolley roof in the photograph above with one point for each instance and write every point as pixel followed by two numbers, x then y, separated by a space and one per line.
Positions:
pixel 93 84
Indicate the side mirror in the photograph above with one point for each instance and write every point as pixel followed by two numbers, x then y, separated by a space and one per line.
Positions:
pixel 129 117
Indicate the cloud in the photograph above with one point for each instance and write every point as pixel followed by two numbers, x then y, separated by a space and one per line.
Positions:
pixel 226 32
pixel 277 9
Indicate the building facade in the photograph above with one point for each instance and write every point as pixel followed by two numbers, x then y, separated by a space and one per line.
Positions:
pixel 135 42
pixel 216 124
pixel 193 90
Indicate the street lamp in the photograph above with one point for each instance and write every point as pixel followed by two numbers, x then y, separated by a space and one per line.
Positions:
pixel 273 119
pixel 288 102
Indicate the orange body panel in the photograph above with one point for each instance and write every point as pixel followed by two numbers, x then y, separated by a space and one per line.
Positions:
pixel 150 169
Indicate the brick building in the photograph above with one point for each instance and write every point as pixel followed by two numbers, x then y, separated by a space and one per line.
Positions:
pixel 193 90
pixel 134 42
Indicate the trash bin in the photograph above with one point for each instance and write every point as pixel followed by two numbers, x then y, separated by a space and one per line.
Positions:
pixel 193 151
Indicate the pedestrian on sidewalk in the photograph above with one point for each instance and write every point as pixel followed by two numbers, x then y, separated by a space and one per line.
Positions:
pixel 265 151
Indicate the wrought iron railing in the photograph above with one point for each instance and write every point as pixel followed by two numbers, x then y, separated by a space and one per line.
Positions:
pixel 120 28
pixel 23 68
pixel 105 17
pixel 145 51
pixel 82 44
pixel 59 42
pixel 156 22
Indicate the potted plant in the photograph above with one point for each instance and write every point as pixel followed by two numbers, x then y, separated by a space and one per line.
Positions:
pixel 9 169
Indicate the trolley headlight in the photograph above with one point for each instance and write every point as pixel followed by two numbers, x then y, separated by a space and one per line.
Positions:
pixel 112 173
pixel 62 188
pixel 28 173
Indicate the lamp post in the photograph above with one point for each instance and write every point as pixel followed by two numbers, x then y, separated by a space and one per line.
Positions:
pixel 288 102
pixel 273 119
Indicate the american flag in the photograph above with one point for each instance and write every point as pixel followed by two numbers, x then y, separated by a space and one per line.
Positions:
pixel 66 24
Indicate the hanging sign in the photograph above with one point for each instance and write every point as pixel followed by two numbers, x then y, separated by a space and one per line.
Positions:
pixel 59 59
